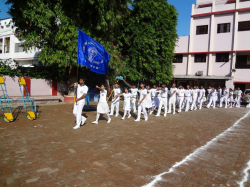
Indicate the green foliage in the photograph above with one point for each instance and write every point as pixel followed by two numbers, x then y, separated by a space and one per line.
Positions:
pixel 150 36
pixel 52 72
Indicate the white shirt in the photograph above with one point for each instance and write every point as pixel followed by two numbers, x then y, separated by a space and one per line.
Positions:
pixel 225 91
pixel 209 91
pixel 164 94
pixel 81 90
pixel 103 96
pixel 127 97
pixel 153 90
pixel 220 90
pixel 134 91
pixel 238 92
pixel 158 93
pixel 172 90
pixel 142 94
pixel 214 93
pixel 202 92
pixel 195 93
pixel 188 92
pixel 116 92
pixel 181 92
pixel 231 94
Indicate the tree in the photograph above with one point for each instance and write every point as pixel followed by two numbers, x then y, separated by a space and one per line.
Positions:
pixel 150 36
pixel 52 25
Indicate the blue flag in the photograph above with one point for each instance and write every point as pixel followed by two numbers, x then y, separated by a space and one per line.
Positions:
pixel 92 54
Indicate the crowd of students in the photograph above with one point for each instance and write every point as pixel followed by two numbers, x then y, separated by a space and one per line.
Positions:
pixel 155 99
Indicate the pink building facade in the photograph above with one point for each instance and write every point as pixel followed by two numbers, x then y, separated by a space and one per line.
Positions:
pixel 217 52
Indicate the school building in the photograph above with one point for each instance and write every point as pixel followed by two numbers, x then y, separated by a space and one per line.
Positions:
pixel 217 52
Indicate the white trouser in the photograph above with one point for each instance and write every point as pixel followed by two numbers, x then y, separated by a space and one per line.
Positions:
pixel 172 100
pixel 180 100
pixel 201 102
pixel 141 107
pixel 115 104
pixel 212 99
pixel 187 101
pixel 194 103
pixel 223 98
pixel 163 101
pixel 238 99
pixel 157 102
pixel 133 104
pixel 77 111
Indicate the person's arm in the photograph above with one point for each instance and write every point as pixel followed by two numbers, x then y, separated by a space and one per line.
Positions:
pixel 98 87
pixel 83 96
pixel 74 84
pixel 142 99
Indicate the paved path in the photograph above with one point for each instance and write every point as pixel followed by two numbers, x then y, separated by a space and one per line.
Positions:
pixel 48 152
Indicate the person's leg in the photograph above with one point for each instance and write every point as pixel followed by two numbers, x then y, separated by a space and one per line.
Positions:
pixel 187 104
pixel 117 108
pixel 195 103
pixel 125 113
pixel 79 116
pixel 214 100
pixel 174 103
pixel 109 119
pixel 112 108
pixel 226 100
pixel 221 101
pixel 165 102
pixel 169 104
pixel 209 103
pixel 139 113
pixel 97 118
pixel 160 106
pixel 144 112
pixel 201 102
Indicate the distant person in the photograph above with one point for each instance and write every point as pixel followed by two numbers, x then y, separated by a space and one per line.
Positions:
pixel 153 95
pixel 115 100
pixel 224 97
pixel 102 107
pixel 82 91
pixel 187 94
pixel 231 97
pixel 238 93
pixel 213 97
pixel 142 102
pixel 172 98
pixel 180 93
pixel 148 104
pixel 163 101
pixel 201 96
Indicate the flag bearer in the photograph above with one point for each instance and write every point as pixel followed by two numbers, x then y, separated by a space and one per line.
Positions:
pixel 82 91
pixel 238 97
pixel 180 93
pixel 141 103
pixel 163 101
pixel 134 91
pixel 224 97
pixel 172 98
pixel 187 98
pixel 115 101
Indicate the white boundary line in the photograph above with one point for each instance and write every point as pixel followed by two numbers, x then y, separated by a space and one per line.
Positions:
pixel 246 175
pixel 197 151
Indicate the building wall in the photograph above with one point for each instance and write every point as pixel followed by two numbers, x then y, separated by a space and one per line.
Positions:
pixel 181 45
pixel 243 37
pixel 181 68
pixel 221 68
pixel 194 67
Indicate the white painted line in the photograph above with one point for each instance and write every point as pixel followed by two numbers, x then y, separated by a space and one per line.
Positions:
pixel 195 153
pixel 246 175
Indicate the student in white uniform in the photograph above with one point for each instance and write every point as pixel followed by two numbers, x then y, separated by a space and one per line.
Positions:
pixel 238 97
pixel 219 93
pixel 102 107
pixel 163 101
pixel 208 93
pixel 224 97
pixel 213 97
pixel 153 90
pixel 82 91
pixel 148 104
pixel 158 97
pixel 201 96
pixel 194 98
pixel 172 98
pixel 180 93
pixel 187 94
pixel 142 102
pixel 115 101
pixel 231 98
pixel 126 104
pixel 134 91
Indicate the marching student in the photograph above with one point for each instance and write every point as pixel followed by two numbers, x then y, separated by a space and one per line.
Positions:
pixel 219 93
pixel 231 98
pixel 134 91
pixel 102 107
pixel 213 97
pixel 172 98
pixel 148 104
pixel 180 93
pixel 157 97
pixel 153 90
pixel 224 97
pixel 187 97
pixel 163 101
pixel 194 98
pixel 126 104
pixel 238 97
pixel 209 90
pixel 82 91
pixel 201 96
pixel 141 103
pixel 115 101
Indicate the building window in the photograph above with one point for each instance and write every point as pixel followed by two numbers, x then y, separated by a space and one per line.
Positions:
pixel 203 29
pixel 178 59
pixel 7 45
pixel 200 58
pixel 222 57
pixel 224 27
pixel 242 62
pixel 1 45
pixel 18 47
pixel 244 26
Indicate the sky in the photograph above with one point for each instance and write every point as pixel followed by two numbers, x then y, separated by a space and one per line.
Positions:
pixel 183 7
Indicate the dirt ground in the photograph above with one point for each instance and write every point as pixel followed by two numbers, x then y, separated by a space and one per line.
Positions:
pixel 48 152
